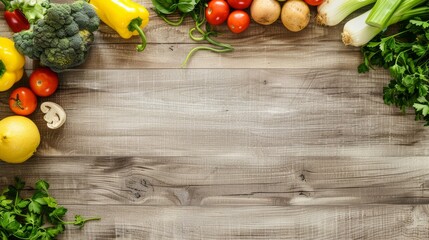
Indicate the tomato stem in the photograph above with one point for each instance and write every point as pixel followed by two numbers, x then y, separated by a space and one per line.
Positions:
pixel 18 102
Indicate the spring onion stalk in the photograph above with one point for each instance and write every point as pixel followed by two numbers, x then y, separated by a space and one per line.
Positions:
pixel 381 13
pixel 357 32
pixel 332 12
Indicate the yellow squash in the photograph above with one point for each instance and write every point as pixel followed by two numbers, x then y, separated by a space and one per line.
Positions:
pixel 126 17
pixel 11 64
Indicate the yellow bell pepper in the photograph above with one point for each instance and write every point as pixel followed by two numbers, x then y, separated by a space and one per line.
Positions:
pixel 11 64
pixel 126 17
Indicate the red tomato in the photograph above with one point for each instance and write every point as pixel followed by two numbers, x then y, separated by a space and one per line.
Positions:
pixel 22 101
pixel 314 2
pixel 217 12
pixel 43 82
pixel 239 4
pixel 238 21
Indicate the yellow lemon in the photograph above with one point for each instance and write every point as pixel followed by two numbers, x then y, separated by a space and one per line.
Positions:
pixel 19 139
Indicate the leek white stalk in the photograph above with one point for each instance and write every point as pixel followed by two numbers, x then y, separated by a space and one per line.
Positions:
pixel 332 12
pixel 357 32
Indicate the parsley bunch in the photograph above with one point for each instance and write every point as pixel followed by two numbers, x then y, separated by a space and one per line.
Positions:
pixel 405 54
pixel 36 217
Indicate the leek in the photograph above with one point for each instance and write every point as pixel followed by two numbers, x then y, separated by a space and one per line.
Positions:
pixel 332 12
pixel 357 32
pixel 381 13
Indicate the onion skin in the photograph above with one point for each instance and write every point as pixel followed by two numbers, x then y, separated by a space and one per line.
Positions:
pixel 295 15
pixel 265 12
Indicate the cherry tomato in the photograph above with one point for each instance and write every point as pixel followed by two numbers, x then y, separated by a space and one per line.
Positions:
pixel 240 4
pixel 43 82
pixel 238 21
pixel 314 2
pixel 217 12
pixel 22 101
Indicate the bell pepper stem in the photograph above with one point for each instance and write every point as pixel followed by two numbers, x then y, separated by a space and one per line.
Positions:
pixel 135 26
pixel 7 5
pixel 2 68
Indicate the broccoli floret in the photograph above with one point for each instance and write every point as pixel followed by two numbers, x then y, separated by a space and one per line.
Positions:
pixel 85 16
pixel 26 44
pixel 62 39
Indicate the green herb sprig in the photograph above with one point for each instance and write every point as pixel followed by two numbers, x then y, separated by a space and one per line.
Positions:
pixel 406 55
pixel 36 217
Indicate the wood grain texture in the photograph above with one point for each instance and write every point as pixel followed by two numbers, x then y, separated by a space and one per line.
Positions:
pixel 280 139
pixel 230 180
pixel 261 112
pixel 318 222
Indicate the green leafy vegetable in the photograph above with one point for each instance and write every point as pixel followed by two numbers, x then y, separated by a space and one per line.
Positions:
pixel 36 217
pixel 165 6
pixel 202 30
pixel 406 55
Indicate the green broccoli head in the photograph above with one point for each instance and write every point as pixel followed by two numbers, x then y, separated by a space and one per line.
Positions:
pixel 62 39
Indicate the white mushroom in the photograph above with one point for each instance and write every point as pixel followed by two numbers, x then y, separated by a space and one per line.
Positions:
pixel 55 115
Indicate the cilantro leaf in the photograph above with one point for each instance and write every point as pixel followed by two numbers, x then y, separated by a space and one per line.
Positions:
pixel 35 207
pixel 423 108
pixel 37 217
pixel 42 185
pixel 419 23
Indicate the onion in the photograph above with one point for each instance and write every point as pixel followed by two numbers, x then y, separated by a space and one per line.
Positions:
pixel 295 15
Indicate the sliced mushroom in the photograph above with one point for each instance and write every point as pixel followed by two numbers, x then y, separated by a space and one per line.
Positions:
pixel 55 115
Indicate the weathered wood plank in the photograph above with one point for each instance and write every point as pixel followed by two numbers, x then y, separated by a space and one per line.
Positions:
pixel 228 180
pixel 124 56
pixel 319 222
pixel 288 112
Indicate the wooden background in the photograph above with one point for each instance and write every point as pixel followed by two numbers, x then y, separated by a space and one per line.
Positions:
pixel 280 139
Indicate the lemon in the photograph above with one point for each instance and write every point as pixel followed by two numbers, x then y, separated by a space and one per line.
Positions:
pixel 19 139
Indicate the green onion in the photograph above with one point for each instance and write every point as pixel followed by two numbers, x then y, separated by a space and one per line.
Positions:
pixel 381 13
pixel 332 12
